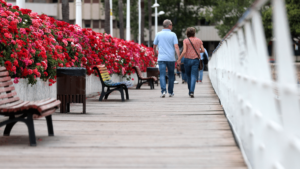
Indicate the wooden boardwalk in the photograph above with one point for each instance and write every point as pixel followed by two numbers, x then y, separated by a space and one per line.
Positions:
pixel 146 132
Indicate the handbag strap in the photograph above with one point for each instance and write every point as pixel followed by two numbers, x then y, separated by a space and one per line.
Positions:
pixel 194 49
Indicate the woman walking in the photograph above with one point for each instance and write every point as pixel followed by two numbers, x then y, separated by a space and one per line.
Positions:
pixel 192 46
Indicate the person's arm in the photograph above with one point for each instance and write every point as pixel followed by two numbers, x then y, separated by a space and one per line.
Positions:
pixel 155 52
pixel 182 54
pixel 155 43
pixel 206 54
pixel 177 50
pixel 202 49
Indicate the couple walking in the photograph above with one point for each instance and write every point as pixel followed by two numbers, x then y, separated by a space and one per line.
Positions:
pixel 167 43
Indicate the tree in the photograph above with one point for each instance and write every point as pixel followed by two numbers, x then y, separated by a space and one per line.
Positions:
pixel 225 13
pixel 182 14
pixel 121 20
pixel 293 14
pixel 107 17
pixel 65 10
pixel 133 16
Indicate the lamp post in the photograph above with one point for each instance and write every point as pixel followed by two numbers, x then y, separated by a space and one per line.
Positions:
pixel 139 5
pixel 128 21
pixel 156 15
pixel 155 5
pixel 111 18
pixel 20 3
pixel 78 13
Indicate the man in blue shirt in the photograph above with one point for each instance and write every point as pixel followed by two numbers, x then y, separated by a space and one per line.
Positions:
pixel 167 43
pixel 200 74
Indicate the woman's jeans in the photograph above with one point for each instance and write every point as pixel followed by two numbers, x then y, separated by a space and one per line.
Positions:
pixel 183 75
pixel 201 73
pixel 191 71
pixel 162 75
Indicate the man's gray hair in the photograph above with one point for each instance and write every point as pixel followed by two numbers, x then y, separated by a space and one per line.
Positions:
pixel 167 23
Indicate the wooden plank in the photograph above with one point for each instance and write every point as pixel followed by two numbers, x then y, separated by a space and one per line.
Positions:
pixel 144 132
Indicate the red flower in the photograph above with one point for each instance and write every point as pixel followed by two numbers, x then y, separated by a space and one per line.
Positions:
pixel 8 65
pixel 29 71
pixel 46 74
pixel 25 11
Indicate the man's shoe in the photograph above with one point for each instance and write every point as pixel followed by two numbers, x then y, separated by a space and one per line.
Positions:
pixel 175 82
pixel 192 95
pixel 182 81
pixel 163 95
pixel 171 95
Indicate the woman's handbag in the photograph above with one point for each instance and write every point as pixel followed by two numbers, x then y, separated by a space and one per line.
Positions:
pixel 200 67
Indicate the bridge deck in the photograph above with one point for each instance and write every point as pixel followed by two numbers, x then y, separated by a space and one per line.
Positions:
pixel 144 132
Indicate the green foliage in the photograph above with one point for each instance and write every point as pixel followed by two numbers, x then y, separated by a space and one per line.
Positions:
pixel 225 13
pixel 134 25
pixel 26 21
pixel 293 14
pixel 182 15
pixel 267 22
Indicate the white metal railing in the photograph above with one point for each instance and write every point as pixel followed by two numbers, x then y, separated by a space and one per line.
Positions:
pixel 264 114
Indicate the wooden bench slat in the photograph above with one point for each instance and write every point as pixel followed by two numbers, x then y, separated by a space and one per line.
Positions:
pixel 6 83
pixel 14 93
pixel 47 101
pixel 10 100
pixel 45 113
pixel 11 104
pixel 13 108
pixel 49 106
pixel 6 89
pixel 4 73
pixel 4 79
pixel 2 68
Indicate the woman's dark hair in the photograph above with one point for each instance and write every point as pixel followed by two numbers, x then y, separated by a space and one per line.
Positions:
pixel 190 32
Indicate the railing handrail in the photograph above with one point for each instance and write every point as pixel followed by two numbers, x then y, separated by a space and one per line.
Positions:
pixel 264 113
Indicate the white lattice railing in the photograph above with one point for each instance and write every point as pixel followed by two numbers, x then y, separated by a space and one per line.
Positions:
pixel 264 114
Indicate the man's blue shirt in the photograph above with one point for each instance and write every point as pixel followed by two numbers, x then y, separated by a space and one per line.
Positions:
pixel 165 41
pixel 201 54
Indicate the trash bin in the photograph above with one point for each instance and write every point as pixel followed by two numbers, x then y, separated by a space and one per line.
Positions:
pixel 71 87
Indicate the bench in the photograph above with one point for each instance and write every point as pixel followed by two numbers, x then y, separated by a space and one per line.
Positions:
pixel 153 71
pixel 16 110
pixel 141 80
pixel 110 85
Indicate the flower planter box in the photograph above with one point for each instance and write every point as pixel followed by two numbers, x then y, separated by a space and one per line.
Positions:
pixel 42 90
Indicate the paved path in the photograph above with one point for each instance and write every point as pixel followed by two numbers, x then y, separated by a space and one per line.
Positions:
pixel 146 132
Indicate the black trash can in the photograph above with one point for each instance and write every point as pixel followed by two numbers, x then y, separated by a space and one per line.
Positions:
pixel 71 85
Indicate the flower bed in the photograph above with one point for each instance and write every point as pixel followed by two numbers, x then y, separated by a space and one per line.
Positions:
pixel 32 46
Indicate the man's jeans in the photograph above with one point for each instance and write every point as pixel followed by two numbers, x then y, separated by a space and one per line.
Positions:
pixel 191 71
pixel 201 72
pixel 162 70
